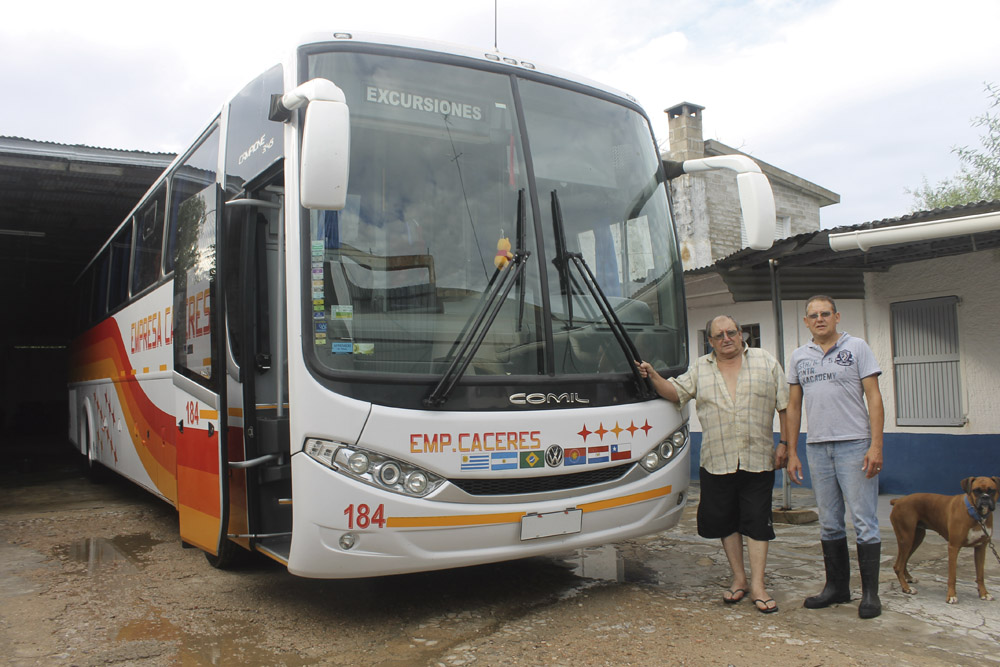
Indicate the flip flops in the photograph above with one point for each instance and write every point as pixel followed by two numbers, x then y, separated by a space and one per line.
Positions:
pixel 765 609
pixel 732 599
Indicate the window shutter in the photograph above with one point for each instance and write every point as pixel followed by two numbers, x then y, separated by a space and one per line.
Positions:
pixel 926 362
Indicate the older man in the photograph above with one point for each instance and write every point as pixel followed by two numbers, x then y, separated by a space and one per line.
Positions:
pixel 737 390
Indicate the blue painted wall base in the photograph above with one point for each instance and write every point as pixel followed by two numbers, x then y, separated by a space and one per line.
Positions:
pixel 914 462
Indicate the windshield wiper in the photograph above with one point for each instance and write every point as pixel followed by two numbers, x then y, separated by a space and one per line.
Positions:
pixel 567 282
pixel 483 316
pixel 644 386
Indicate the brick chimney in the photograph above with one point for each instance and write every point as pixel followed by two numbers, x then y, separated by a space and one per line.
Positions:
pixel 686 141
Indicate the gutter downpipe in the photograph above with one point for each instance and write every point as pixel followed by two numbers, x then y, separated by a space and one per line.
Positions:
pixel 865 239
pixel 779 342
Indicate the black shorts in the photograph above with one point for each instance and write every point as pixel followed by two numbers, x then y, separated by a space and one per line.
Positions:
pixel 739 502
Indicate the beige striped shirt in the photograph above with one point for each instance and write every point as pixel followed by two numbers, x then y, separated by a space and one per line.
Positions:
pixel 736 434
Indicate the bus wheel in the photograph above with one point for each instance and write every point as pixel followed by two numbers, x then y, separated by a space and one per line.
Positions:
pixel 229 557
pixel 95 472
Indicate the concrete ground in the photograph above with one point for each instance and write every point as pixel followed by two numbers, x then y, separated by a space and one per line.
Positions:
pixel 970 628
pixel 94 575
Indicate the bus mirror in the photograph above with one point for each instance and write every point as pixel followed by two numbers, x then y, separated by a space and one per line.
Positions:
pixel 326 136
pixel 756 197
pixel 757 204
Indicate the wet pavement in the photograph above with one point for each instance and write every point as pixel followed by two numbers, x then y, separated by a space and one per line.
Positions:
pixel 94 575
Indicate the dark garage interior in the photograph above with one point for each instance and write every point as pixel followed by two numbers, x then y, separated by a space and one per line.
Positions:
pixel 58 204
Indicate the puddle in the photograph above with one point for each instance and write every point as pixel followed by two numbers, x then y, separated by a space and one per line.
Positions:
pixel 608 563
pixel 220 649
pixel 122 552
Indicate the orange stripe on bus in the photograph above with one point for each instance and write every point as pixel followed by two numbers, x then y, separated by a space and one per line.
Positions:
pixel 209 414
pixel 236 412
pixel 198 528
pixel 467 520
pixel 514 517
pixel 625 500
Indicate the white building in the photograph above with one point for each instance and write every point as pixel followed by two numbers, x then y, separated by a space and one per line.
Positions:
pixel 925 308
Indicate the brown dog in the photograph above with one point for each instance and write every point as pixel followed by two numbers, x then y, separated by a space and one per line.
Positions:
pixel 952 518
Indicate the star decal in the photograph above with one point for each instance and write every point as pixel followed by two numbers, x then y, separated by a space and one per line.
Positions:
pixel 617 430
pixel 646 427
pixel 584 433
pixel 601 431
pixel 632 428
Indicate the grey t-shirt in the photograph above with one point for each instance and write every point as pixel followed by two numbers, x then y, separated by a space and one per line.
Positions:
pixel 831 383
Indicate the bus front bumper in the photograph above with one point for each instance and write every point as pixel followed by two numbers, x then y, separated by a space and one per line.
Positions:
pixel 390 533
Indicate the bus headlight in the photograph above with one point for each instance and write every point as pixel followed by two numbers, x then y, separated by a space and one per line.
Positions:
pixel 416 482
pixel 373 468
pixel 665 450
pixel 358 463
pixel 388 473
pixel 651 461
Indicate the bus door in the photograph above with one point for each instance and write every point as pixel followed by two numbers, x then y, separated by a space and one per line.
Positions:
pixel 258 382
pixel 199 400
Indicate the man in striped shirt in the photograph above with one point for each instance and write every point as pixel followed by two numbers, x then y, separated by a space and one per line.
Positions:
pixel 737 390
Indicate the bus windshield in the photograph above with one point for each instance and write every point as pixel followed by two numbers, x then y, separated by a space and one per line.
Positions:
pixel 441 156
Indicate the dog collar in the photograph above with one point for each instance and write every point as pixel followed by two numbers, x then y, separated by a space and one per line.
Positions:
pixel 970 509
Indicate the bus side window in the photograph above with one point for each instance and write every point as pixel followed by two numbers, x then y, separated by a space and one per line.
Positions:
pixel 99 303
pixel 121 252
pixel 148 243
pixel 83 289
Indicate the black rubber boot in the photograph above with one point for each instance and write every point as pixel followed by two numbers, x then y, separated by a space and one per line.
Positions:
pixel 868 563
pixel 838 575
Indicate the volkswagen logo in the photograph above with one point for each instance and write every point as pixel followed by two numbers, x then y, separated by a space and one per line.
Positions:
pixel 554 456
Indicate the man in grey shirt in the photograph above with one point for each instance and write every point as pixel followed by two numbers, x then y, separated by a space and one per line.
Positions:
pixel 837 373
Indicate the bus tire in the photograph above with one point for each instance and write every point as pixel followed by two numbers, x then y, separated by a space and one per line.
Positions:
pixel 229 557
pixel 93 469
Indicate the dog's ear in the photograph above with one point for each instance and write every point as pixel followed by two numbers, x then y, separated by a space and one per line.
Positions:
pixel 967 484
pixel 996 480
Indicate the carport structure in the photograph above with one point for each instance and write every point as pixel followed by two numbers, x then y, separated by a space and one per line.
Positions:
pixel 58 204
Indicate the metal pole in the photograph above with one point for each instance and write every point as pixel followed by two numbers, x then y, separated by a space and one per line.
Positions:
pixel 779 342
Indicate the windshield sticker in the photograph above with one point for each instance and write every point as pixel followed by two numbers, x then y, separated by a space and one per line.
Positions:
pixel 364 348
pixel 342 348
pixel 435 105
pixel 342 312
pixel 318 296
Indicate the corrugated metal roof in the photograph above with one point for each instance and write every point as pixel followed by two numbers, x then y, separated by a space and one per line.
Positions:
pixel 807 265
pixel 58 203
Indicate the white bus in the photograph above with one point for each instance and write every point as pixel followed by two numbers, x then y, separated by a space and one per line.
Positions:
pixel 381 317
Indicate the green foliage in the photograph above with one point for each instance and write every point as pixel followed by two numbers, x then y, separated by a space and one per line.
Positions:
pixel 978 178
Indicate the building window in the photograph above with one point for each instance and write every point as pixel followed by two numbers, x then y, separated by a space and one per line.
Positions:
pixel 926 363
pixel 751 334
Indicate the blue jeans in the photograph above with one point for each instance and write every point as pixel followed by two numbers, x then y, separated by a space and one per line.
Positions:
pixel 835 468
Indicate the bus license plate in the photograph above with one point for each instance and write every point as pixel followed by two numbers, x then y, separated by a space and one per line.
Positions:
pixel 549 524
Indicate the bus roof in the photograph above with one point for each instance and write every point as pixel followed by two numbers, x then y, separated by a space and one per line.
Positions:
pixel 489 56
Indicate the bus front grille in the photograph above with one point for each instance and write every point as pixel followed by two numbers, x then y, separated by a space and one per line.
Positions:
pixel 503 486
